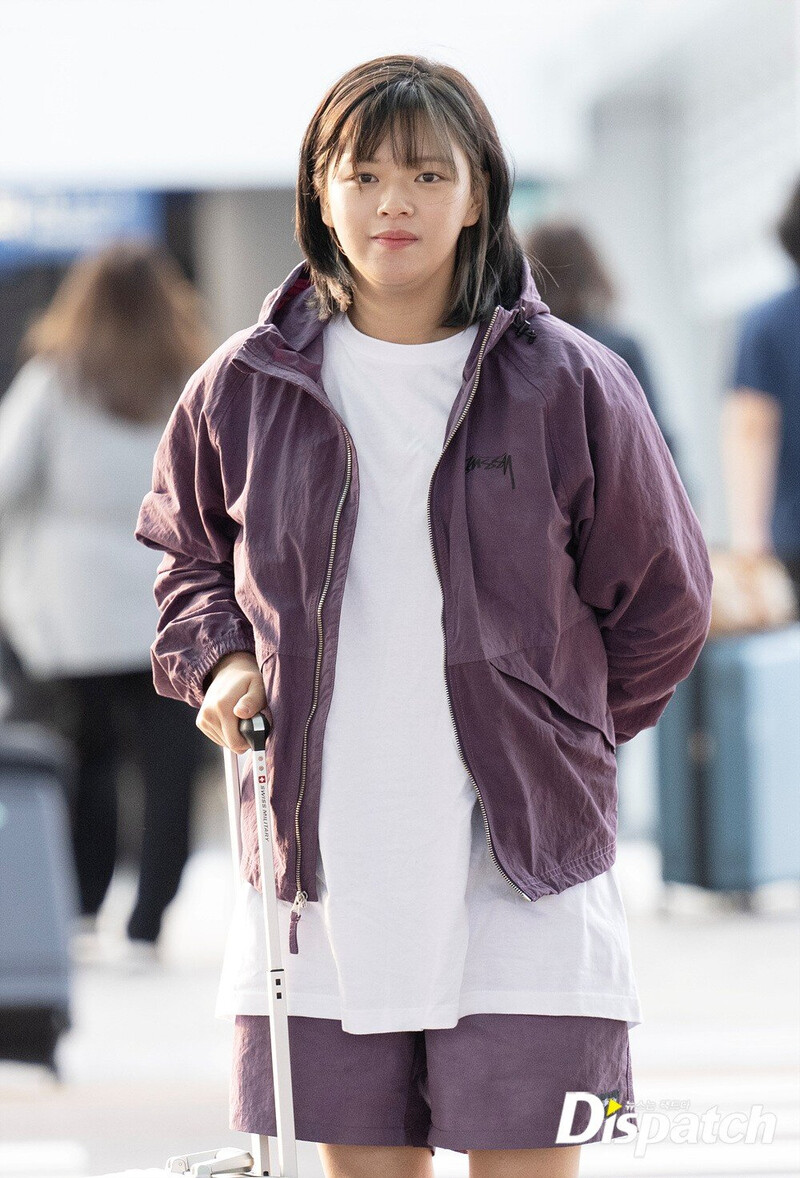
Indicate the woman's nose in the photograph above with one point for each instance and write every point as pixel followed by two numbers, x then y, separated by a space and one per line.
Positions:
pixel 395 200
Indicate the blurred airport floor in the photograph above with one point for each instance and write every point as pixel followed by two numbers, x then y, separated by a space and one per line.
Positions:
pixel 145 1068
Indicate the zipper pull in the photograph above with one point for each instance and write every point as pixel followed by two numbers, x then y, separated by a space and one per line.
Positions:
pixel 523 327
pixel 294 917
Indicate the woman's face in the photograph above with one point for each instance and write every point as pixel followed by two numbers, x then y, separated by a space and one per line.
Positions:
pixel 378 196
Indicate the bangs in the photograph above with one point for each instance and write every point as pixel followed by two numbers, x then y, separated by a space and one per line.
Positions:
pixel 416 127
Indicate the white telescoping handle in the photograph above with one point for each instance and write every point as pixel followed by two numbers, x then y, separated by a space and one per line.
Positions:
pixel 256 731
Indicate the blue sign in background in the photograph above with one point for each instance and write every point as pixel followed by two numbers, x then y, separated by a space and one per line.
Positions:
pixel 56 226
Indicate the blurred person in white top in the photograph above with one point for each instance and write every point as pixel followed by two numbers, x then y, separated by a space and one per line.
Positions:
pixel 101 370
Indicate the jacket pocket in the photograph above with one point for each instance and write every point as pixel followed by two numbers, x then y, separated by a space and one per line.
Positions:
pixel 573 676
pixel 266 653
pixel 266 648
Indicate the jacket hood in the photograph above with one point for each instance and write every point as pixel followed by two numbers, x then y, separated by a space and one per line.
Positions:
pixel 287 324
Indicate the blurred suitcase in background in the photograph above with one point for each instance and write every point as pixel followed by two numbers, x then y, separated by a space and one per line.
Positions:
pixel 38 892
pixel 729 765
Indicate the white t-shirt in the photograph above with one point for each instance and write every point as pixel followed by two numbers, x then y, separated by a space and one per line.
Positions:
pixel 415 926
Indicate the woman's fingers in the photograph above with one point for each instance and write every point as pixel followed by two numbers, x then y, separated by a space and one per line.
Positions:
pixel 234 695
pixel 208 729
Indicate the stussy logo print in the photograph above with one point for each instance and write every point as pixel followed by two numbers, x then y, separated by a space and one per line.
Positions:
pixel 502 462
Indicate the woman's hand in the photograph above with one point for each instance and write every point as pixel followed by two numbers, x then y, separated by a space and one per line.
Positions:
pixel 236 692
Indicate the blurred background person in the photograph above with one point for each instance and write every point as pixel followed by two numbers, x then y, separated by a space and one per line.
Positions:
pixel 761 418
pixel 102 368
pixel 577 287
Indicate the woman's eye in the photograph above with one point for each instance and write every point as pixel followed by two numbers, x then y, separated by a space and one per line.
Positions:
pixel 358 176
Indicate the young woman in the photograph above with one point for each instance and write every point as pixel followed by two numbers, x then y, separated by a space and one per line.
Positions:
pixel 409 478
pixel 104 365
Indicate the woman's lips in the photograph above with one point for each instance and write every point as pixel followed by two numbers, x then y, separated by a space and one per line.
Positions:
pixel 395 243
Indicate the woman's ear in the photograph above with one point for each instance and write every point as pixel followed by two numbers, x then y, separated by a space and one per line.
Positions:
pixel 328 220
pixel 323 209
pixel 477 204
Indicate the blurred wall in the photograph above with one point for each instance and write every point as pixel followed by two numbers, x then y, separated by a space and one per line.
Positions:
pixel 688 163
pixel 245 248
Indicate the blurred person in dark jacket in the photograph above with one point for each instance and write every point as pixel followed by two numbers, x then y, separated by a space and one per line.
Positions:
pixel 761 418
pixel 102 369
pixel 577 288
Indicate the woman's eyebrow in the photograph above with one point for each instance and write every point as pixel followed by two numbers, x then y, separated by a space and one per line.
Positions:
pixel 425 159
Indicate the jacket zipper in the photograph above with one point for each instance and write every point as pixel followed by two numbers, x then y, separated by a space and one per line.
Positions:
pixel 301 896
pixel 510 882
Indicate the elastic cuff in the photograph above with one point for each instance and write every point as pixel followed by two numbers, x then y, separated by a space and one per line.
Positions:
pixel 238 639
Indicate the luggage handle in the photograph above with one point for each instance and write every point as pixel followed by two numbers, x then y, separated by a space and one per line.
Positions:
pixel 256 732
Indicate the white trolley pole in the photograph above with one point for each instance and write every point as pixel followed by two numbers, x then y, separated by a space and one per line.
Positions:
pixel 232 1161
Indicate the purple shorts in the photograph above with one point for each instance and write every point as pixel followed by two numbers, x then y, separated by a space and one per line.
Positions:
pixel 493 1081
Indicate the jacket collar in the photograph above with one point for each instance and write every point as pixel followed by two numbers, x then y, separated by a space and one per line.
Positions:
pixel 289 334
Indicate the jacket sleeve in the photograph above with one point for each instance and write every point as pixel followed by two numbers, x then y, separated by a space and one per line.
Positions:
pixel 642 562
pixel 184 515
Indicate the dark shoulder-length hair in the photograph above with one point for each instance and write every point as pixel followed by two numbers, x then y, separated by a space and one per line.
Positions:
pixel 127 329
pixel 579 285
pixel 788 224
pixel 405 97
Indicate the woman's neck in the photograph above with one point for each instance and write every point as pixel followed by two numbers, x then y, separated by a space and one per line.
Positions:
pixel 402 319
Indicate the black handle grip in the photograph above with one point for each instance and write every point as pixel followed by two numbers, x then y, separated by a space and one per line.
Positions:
pixel 256 730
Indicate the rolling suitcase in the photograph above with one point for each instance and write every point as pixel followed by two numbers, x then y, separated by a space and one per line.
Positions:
pixel 231 1160
pixel 38 892
pixel 729 765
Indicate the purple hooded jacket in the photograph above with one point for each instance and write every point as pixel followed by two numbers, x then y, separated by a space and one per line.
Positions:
pixel 576 583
